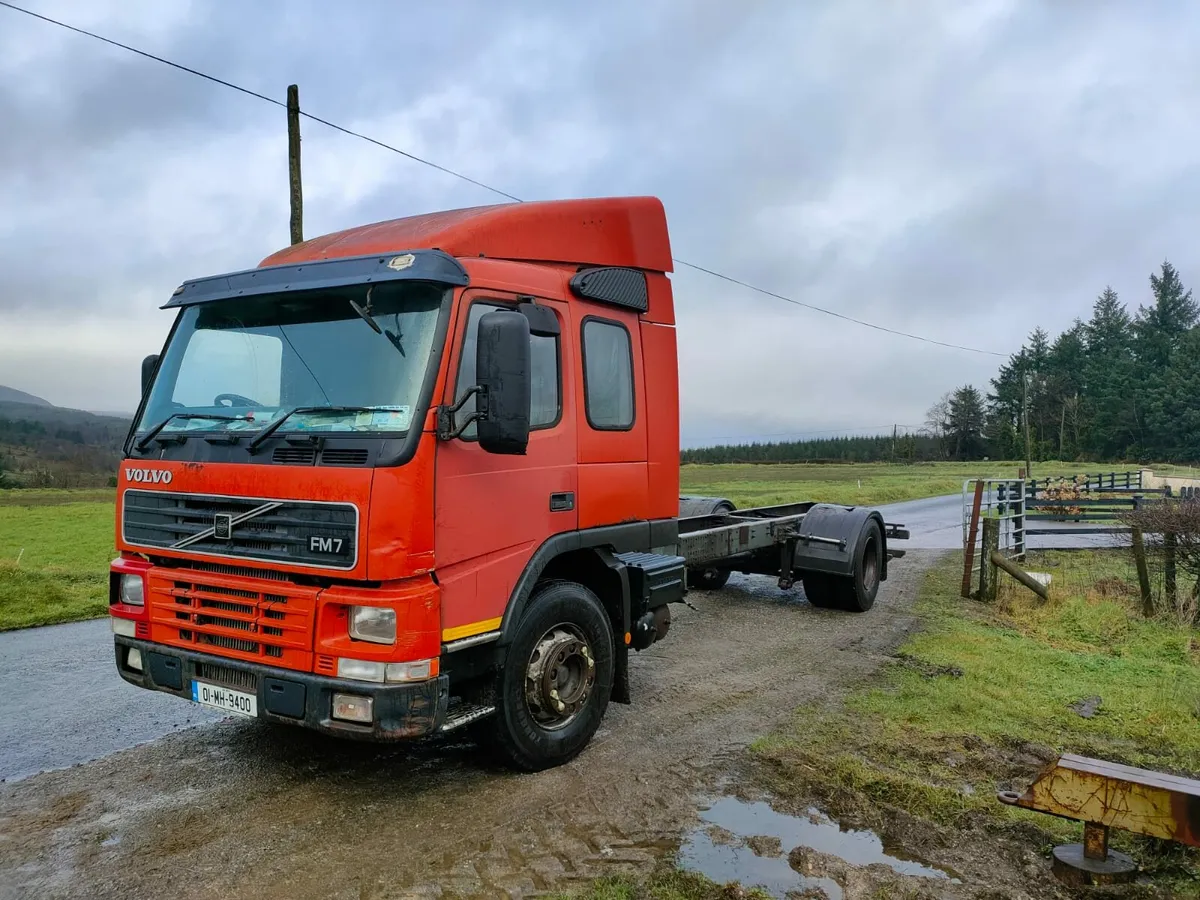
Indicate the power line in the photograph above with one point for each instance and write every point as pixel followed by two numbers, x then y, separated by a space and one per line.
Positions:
pixel 245 90
pixel 473 181
pixel 837 315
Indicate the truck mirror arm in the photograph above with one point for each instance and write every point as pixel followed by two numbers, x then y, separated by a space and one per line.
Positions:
pixel 446 430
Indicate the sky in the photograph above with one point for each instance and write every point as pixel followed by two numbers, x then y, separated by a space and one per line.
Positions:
pixel 965 171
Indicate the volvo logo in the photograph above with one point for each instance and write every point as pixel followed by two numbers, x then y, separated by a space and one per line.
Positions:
pixel 223 527
pixel 148 476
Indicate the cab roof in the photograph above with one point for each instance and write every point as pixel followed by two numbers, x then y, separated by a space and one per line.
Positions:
pixel 610 231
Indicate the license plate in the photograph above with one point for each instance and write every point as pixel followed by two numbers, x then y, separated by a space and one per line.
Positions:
pixel 223 698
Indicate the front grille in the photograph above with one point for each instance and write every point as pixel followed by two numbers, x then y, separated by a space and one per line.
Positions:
pixel 288 531
pixel 218 568
pixel 249 619
pixel 234 678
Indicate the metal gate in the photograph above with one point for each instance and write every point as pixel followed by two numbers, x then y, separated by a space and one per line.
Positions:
pixel 1002 499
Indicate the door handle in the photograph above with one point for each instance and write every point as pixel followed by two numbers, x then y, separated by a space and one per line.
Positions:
pixel 563 502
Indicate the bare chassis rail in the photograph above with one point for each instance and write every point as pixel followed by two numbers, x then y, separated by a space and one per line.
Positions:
pixel 765 540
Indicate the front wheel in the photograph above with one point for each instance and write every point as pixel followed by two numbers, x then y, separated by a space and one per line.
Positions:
pixel 557 678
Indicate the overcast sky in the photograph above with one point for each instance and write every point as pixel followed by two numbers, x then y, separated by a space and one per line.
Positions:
pixel 964 171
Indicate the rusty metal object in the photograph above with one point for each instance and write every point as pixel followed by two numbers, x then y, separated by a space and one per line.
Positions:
pixel 1107 795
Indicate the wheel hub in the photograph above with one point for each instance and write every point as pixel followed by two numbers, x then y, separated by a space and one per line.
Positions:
pixel 559 677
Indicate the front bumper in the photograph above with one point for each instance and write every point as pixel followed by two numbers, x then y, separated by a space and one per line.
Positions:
pixel 402 711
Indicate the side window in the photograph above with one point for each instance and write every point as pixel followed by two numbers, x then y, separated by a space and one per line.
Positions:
pixel 545 383
pixel 607 375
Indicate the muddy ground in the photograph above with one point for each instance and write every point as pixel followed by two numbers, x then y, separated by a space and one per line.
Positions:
pixel 239 809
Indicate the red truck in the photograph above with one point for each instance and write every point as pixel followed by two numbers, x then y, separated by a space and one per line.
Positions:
pixel 424 474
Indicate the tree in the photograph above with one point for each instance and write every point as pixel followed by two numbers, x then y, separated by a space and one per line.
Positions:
pixel 966 420
pixel 1159 331
pixel 1112 423
pixel 937 421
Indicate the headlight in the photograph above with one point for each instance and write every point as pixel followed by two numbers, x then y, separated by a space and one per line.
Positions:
pixel 132 590
pixel 373 623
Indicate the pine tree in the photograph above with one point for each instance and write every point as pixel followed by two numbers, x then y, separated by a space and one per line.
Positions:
pixel 966 422
pixel 1111 424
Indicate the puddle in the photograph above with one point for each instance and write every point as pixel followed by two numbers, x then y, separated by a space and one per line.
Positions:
pixel 708 851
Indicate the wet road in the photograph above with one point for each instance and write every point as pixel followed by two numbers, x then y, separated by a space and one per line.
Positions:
pixel 63 703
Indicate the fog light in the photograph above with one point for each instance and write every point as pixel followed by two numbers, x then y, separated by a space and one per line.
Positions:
pixel 132 590
pixel 352 708
pixel 421 670
pixel 361 670
pixel 124 627
pixel 134 659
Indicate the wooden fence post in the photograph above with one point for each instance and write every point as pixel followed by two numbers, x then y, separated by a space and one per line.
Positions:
pixel 969 549
pixel 1139 557
pixel 1169 588
pixel 987 569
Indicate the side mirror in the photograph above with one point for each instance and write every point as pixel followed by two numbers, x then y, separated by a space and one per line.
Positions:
pixel 502 373
pixel 148 366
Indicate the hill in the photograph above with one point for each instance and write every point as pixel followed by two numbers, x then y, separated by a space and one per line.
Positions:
pixel 47 446
pixel 12 395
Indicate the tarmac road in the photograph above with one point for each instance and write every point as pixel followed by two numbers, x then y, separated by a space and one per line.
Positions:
pixel 62 702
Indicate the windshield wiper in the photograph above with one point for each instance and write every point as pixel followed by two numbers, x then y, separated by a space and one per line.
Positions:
pixel 274 426
pixel 153 432
pixel 365 312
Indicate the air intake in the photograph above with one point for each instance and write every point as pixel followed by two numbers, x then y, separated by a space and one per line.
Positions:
pixel 294 456
pixel 355 456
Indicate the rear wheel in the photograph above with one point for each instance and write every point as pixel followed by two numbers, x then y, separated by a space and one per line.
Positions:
pixel 557 678
pixel 858 592
pixel 707 579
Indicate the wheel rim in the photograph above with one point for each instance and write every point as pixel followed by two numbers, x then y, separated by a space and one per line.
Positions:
pixel 559 677
pixel 870 565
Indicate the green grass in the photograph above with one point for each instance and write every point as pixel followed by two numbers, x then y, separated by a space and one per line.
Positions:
pixel 862 483
pixel 668 884
pixel 981 699
pixel 54 562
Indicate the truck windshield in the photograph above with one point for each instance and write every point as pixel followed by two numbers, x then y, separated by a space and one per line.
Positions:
pixel 249 361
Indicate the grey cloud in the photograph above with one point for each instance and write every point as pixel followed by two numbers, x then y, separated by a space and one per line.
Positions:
pixel 966 174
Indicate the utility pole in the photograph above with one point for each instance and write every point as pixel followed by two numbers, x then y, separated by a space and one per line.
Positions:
pixel 894 427
pixel 297 195
pixel 1025 425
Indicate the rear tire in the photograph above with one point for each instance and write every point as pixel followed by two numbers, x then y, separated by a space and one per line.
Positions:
pixel 557 679
pixel 707 579
pixel 858 592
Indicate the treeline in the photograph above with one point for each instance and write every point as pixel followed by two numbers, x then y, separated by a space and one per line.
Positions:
pixel 900 448
pixel 1120 386
pixel 46 446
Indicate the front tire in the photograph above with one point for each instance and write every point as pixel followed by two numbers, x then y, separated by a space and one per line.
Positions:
pixel 557 678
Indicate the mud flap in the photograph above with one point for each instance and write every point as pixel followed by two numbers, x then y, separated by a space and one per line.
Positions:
pixel 829 537
pixel 620 688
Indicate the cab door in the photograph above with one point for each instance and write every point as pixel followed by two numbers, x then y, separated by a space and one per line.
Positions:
pixel 492 510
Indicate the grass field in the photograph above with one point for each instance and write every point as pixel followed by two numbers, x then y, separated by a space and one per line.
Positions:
pixel 984 695
pixel 54 558
pixel 865 483
pixel 64 538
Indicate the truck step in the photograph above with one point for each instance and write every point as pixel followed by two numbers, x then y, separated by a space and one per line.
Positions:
pixel 465 715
